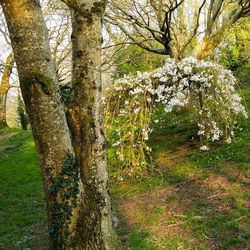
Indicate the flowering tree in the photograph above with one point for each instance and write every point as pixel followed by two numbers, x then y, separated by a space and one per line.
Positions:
pixel 130 103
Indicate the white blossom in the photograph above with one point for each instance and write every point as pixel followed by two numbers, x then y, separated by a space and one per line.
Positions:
pixel 175 85
pixel 204 148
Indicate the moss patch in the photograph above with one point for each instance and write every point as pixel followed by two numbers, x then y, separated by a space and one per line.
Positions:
pixel 37 76
pixel 76 82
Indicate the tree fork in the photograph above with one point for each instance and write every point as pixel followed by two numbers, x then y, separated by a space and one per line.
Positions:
pixel 77 198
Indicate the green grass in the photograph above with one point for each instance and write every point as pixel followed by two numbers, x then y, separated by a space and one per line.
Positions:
pixel 22 204
pixel 138 241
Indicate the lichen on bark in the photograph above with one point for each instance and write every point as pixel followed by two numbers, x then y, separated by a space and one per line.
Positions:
pixel 94 227
pixel 99 7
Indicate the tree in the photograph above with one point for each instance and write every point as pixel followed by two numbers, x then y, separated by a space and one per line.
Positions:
pixel 59 37
pixel 133 101
pixel 230 12
pixel 23 119
pixel 171 27
pixel 8 64
pixel 4 88
pixel 75 179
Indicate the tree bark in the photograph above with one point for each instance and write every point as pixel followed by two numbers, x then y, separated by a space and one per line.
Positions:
pixel 4 88
pixel 45 109
pixel 78 203
pixel 85 117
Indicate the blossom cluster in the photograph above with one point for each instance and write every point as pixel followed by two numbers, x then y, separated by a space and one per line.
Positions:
pixel 207 86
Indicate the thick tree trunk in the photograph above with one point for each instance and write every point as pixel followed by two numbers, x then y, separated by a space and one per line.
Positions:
pixel 205 47
pixel 4 88
pixel 85 118
pixel 78 203
pixel 45 109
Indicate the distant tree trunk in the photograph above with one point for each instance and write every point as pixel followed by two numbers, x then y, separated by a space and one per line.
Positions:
pixel 86 123
pixel 210 41
pixel 23 119
pixel 77 196
pixel 4 88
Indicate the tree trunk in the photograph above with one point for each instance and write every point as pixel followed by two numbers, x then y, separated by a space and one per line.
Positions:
pixel 78 204
pixel 4 88
pixel 85 119
pixel 207 45
pixel 45 109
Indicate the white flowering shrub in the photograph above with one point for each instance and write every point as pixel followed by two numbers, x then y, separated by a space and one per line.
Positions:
pixel 127 119
pixel 207 87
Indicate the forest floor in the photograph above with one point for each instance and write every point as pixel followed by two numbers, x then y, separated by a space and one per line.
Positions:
pixel 192 200
pixel 188 205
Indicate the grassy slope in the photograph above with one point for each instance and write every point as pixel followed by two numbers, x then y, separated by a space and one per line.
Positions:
pixel 195 199
pixel 192 201
pixel 22 205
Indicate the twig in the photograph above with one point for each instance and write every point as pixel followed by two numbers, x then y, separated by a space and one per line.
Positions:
pixel 237 219
pixel 129 192
pixel 176 185
pixel 177 224
pixel 215 195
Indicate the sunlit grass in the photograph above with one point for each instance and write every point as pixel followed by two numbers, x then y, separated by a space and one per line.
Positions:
pixel 22 204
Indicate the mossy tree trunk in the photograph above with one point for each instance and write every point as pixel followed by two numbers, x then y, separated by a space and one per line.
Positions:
pixel 4 88
pixel 78 202
pixel 45 109
pixel 86 123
